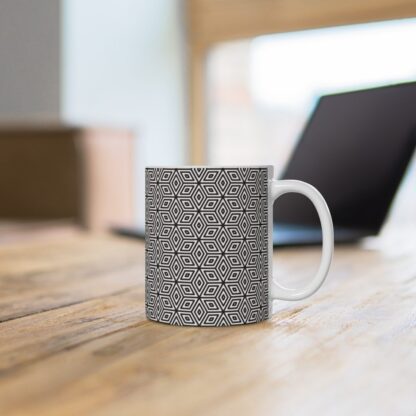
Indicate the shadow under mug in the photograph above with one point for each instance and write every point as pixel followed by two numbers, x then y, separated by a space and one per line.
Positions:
pixel 209 244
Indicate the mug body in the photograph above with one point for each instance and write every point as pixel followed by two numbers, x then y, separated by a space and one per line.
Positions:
pixel 208 245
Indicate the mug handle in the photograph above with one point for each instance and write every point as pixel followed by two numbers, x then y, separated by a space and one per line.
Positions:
pixel 279 188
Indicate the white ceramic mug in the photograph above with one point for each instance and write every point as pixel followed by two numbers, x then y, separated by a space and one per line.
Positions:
pixel 209 244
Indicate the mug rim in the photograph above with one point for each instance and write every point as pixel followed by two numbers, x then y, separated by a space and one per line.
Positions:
pixel 209 167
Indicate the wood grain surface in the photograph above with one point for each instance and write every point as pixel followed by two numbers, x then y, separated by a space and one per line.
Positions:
pixel 74 339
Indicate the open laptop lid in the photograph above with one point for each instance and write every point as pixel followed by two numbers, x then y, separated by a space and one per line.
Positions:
pixel 354 150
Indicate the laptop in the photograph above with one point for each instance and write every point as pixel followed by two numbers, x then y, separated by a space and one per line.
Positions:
pixel 354 149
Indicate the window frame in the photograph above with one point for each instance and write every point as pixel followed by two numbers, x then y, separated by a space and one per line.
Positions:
pixel 210 22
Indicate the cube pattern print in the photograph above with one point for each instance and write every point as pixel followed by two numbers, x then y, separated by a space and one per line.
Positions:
pixel 207 258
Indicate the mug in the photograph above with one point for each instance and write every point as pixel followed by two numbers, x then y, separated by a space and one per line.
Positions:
pixel 209 244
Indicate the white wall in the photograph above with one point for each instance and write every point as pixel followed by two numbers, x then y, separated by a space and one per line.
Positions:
pixel 123 63
pixel 29 59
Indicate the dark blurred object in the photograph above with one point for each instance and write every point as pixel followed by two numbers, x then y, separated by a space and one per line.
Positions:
pixel 61 172
pixel 355 150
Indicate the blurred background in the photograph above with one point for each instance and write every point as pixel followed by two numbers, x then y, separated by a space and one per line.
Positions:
pixel 93 91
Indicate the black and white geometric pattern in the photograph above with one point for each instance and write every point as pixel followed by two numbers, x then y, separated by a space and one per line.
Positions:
pixel 207 257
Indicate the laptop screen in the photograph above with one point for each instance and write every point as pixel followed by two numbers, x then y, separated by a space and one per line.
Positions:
pixel 354 150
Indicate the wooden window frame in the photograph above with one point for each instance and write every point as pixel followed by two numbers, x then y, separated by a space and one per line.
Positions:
pixel 210 22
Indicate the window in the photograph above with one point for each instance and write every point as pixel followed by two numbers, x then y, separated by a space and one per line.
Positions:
pixel 261 91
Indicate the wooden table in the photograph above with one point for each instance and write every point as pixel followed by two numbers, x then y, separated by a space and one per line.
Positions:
pixel 74 339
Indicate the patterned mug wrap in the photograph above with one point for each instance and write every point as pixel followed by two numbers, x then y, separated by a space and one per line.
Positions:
pixel 207 245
